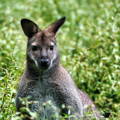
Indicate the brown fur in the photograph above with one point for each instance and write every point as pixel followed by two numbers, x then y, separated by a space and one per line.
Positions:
pixel 52 83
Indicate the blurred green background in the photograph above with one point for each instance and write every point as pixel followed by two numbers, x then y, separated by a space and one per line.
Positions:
pixel 89 44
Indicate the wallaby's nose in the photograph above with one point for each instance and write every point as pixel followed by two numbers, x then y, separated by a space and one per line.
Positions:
pixel 44 61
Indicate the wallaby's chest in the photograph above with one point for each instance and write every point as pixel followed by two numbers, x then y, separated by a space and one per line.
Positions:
pixel 42 90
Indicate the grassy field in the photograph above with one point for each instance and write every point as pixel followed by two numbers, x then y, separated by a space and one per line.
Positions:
pixel 89 43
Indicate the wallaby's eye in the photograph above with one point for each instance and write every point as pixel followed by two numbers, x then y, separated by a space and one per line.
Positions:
pixel 34 48
pixel 51 47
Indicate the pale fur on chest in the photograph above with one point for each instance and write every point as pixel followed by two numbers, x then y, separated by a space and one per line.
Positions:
pixel 41 91
pixel 44 102
pixel 41 85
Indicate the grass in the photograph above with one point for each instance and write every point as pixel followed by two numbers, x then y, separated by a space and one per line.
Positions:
pixel 89 43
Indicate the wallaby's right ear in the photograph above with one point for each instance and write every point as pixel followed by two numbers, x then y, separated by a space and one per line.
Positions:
pixel 29 27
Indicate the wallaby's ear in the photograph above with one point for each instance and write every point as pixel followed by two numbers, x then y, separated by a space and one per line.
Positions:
pixel 53 28
pixel 29 27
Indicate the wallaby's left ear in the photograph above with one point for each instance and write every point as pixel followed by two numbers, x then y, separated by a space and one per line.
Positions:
pixel 29 27
pixel 53 28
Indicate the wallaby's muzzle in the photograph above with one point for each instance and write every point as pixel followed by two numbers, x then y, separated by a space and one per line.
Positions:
pixel 44 62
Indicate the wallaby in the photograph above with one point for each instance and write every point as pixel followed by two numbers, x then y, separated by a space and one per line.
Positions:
pixel 45 79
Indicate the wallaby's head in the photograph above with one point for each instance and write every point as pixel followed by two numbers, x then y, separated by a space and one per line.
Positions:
pixel 41 47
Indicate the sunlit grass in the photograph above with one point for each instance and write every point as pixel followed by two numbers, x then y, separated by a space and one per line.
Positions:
pixel 89 43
